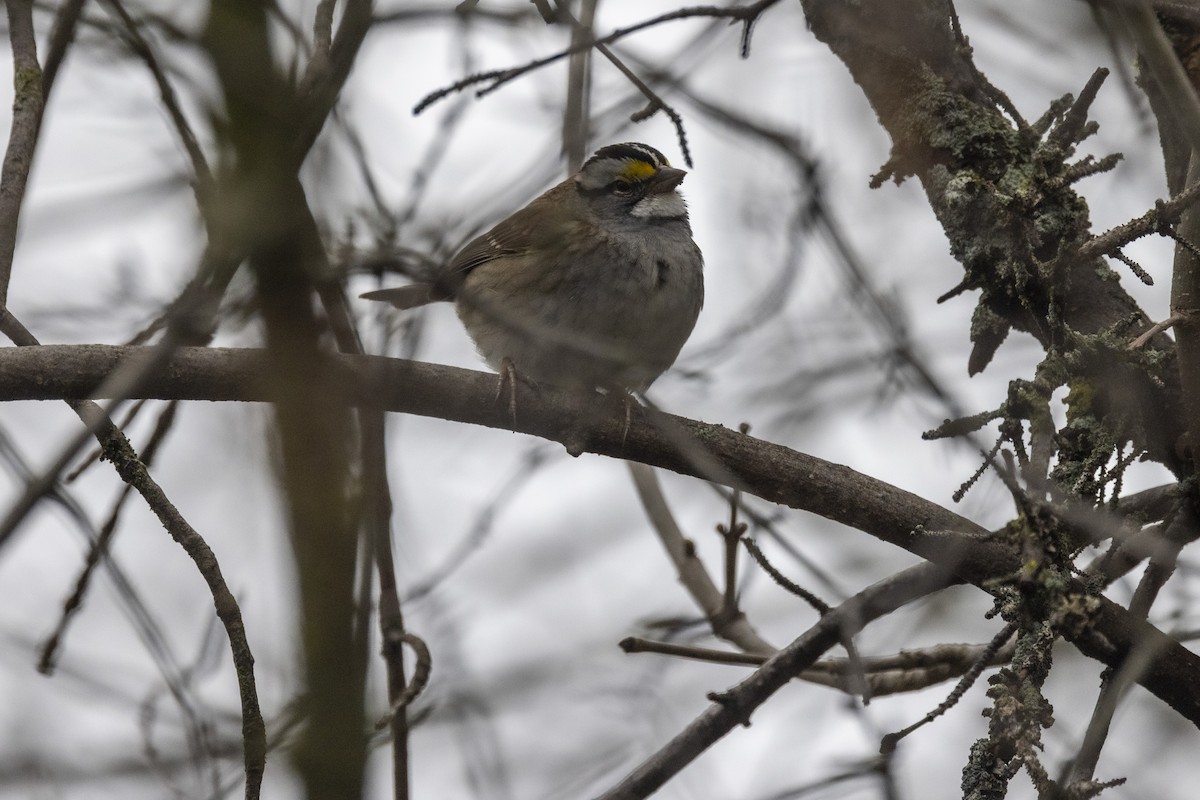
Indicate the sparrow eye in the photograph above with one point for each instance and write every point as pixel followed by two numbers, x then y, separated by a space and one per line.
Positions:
pixel 621 186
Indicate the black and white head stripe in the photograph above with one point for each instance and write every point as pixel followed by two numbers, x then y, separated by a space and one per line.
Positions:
pixel 631 151
pixel 630 161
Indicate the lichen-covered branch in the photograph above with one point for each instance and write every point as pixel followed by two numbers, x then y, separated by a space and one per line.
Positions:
pixel 1004 196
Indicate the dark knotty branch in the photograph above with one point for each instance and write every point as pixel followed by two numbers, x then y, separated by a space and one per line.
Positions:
pixel 1100 629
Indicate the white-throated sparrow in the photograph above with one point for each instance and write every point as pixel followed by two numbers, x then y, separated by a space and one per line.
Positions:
pixel 596 283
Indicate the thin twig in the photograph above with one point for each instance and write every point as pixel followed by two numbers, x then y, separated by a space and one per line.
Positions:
pixel 994 92
pixel 692 573
pixel 1138 271
pixel 731 534
pixel 1164 213
pixel 61 36
pixel 497 78
pixel 654 105
pixel 138 45
pixel 857 674
pixel 1072 125
pixel 767 525
pixel 532 461
pixel 907 671
pixel 1154 330
pixel 981 663
pixel 785 582
pixel 420 678
pixel 636 644
pixel 358 151
pixel 101 547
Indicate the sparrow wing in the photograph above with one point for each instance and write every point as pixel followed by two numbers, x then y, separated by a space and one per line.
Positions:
pixel 514 236
pixel 499 242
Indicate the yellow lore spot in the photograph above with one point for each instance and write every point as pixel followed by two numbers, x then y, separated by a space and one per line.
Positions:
pixel 638 170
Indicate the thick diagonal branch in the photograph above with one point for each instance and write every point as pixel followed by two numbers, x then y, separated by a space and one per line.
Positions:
pixel 775 473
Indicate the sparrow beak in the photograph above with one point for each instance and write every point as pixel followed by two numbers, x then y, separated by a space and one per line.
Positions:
pixel 666 180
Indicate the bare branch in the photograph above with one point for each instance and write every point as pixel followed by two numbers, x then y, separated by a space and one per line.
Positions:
pixel 907 671
pixel 28 102
pixel 323 83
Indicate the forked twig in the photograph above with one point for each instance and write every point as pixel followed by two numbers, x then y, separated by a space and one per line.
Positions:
pixel 692 573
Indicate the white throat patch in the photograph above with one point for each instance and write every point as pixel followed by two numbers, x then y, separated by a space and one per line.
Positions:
pixel 667 204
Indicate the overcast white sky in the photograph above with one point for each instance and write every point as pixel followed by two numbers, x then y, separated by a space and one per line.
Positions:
pixel 531 697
